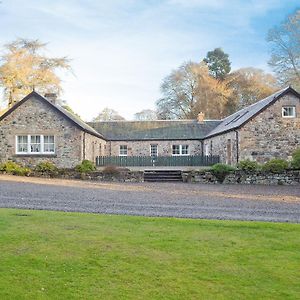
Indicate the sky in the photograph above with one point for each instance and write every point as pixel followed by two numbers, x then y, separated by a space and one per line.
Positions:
pixel 121 50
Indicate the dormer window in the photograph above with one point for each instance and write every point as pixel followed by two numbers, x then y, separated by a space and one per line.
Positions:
pixel 288 111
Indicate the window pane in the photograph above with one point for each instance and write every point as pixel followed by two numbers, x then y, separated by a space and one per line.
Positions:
pixel 185 149
pixel 153 150
pixel 176 150
pixel 35 145
pixel 22 145
pixel 288 111
pixel 123 149
pixel 49 143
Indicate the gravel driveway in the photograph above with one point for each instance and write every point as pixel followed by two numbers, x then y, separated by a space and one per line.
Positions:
pixel 232 202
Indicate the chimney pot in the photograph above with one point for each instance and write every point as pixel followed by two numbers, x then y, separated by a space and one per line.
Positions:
pixel 201 117
pixel 52 97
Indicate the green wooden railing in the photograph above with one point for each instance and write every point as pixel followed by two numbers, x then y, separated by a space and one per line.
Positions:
pixel 147 161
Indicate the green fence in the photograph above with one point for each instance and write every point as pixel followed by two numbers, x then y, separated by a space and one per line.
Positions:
pixel 147 161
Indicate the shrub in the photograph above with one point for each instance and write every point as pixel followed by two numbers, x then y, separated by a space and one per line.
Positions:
pixel 221 170
pixel 296 159
pixel 11 167
pixel 111 170
pixel 45 167
pixel 275 165
pixel 248 165
pixel 86 166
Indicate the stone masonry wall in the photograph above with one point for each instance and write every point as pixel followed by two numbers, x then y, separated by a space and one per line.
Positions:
pixel 94 147
pixel 269 135
pixel 224 145
pixel 37 117
pixel 142 148
pixel 266 136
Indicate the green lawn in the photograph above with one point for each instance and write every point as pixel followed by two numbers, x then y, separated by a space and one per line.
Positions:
pixel 56 255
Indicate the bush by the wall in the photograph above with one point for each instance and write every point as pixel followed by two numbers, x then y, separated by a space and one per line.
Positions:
pixel 275 165
pixel 248 165
pixel 11 167
pixel 86 166
pixel 221 171
pixel 46 167
pixel 295 164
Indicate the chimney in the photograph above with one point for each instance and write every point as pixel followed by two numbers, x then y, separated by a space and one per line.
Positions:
pixel 52 97
pixel 200 118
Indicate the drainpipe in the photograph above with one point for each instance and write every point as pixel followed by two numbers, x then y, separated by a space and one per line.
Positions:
pixel 202 147
pixel 237 146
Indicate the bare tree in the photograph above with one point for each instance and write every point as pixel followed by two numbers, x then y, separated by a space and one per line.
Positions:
pixel 108 114
pixel 145 115
pixel 285 50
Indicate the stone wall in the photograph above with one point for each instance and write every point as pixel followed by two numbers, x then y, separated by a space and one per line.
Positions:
pixel 93 147
pixel 36 117
pixel 268 135
pixel 142 148
pixel 121 175
pixel 225 146
pixel 290 177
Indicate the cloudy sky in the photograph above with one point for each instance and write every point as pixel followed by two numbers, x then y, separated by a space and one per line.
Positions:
pixel 122 49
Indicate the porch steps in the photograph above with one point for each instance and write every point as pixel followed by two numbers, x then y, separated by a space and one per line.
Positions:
pixel 162 175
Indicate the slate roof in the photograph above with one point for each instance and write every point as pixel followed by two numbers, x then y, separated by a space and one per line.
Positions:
pixel 154 130
pixel 244 115
pixel 71 117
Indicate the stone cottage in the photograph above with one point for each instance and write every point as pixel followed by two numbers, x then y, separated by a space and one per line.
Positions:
pixel 38 129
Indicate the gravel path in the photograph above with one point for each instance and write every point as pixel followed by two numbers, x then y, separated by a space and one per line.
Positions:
pixel 240 202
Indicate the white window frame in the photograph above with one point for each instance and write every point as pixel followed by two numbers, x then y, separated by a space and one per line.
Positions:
pixel 207 150
pixel 153 145
pixel 180 150
pixel 289 106
pixel 41 152
pixel 125 147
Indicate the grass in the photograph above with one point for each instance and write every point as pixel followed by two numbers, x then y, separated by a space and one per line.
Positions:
pixel 56 255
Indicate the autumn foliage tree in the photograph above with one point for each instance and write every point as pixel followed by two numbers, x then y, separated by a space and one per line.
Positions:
pixel 23 68
pixel 249 85
pixel 189 90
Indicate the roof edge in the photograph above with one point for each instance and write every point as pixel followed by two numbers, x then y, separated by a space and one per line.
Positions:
pixel 35 94
pixel 285 91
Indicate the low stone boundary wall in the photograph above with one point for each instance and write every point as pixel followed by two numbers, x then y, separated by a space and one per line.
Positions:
pixel 290 177
pixel 120 176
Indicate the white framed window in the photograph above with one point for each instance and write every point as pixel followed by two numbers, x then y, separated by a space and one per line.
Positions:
pixel 49 144
pixel 184 149
pixel 22 144
pixel 153 150
pixel 180 150
pixel 123 150
pixel 35 144
pixel 288 111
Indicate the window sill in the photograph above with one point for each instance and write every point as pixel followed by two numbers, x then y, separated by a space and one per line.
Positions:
pixel 35 155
